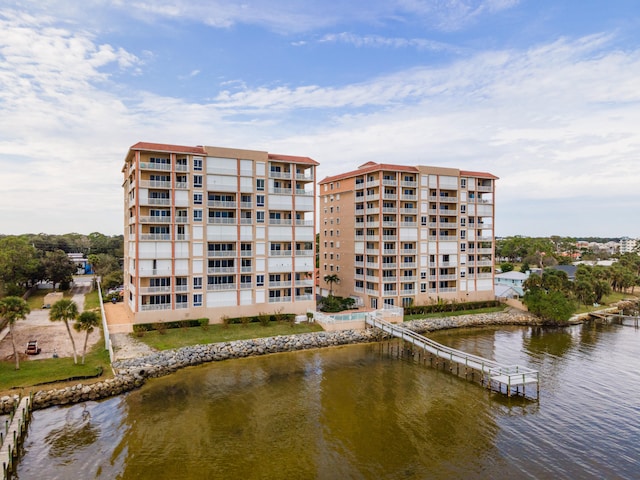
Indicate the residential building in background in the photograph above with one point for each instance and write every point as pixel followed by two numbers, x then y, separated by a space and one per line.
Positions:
pixel 628 245
pixel 401 235
pixel 213 232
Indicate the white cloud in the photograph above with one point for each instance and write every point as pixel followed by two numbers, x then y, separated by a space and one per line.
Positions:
pixel 378 41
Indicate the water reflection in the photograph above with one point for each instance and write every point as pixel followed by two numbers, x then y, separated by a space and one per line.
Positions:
pixel 357 412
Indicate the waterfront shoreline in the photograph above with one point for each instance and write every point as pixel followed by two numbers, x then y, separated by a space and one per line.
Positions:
pixel 132 373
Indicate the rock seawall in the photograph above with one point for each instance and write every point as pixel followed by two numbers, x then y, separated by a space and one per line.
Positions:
pixel 131 373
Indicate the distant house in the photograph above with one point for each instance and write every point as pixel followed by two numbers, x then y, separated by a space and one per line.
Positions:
pixel 506 291
pixel 513 280
pixel 570 270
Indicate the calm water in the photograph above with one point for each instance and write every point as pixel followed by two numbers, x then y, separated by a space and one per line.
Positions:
pixel 355 413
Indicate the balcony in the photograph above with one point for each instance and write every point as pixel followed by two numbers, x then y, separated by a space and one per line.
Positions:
pixel 159 306
pixel 389 279
pixel 304 253
pixel 155 166
pixel 155 236
pixel 375 293
pixel 221 204
pixel 158 201
pixel 182 168
pixel 154 184
pixel 409 211
pixel 246 221
pixel 280 221
pixel 308 282
pixel 389 224
pixel 221 287
pixel 182 219
pixel 373 183
pixel 389 252
pixel 275 174
pixel 246 286
pixel 280 284
pixel 212 270
pixel 389 238
pixel 358 289
pixel 182 305
pixel 304 298
pixel 279 299
pixel 280 253
pixel 304 223
pixel 389 210
pixel 222 253
pixel 280 191
pixel 222 221
pixel 246 253
pixel 390 293
pixel 372 265
pixel 372 238
pixel 408 224
pixel 373 211
pixel 300 191
pixel 246 269
pixel 408 251
pixel 408 265
pixel 408 278
pixel 182 185
pixel 390 196
pixel 372 197
pixel 408 197
pixel 304 177
pixel 151 290
pixel 483 188
pixel 182 288
pixel 389 266
pixel 155 219
pixel 406 183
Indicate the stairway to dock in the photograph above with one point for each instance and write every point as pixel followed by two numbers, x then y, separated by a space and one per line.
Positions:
pixel 495 376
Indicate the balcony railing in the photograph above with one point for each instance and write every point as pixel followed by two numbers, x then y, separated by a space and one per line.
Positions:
pixel 221 286
pixel 308 282
pixel 221 204
pixel 155 166
pixel 158 201
pixel 286 175
pixel 155 236
pixel 280 221
pixel 304 298
pixel 182 288
pixel 304 253
pixel 155 219
pixel 222 221
pixel 154 184
pixel 182 305
pixel 280 284
pixel 280 253
pixel 221 270
pixel 389 182
pixel 279 299
pixel 222 253
pixel 158 306
pixel 150 290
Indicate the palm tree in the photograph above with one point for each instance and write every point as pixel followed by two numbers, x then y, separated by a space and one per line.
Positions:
pixel 331 279
pixel 87 321
pixel 65 310
pixel 13 309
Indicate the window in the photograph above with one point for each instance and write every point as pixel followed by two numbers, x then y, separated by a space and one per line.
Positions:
pixel 197 215
pixel 463 183
pixel 197 198
pixel 260 184
pixel 463 209
pixel 423 288
pixel 197 300
pixel 197 181
pixel 260 280
pixel 260 200
pixel 260 217
pixel 423 275
pixel 197 163
pixel 423 221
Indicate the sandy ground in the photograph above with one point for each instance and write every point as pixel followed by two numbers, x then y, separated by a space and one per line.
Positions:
pixel 52 336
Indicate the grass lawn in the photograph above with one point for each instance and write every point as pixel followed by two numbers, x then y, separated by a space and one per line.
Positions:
pixel 606 301
pixel 34 372
pixel 183 337
pixel 92 300
pixel 421 316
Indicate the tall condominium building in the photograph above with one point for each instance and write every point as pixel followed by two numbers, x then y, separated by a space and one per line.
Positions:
pixel 402 235
pixel 213 232
pixel 628 245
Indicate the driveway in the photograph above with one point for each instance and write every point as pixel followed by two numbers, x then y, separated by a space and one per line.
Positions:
pixel 52 336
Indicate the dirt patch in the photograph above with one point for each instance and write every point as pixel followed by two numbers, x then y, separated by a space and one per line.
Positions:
pixel 52 337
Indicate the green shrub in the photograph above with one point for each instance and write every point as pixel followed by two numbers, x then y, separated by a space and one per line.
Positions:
pixel 264 319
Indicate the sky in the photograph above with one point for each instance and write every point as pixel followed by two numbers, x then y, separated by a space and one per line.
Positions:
pixel 544 94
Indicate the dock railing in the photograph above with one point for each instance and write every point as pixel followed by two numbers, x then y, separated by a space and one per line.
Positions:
pixel 492 371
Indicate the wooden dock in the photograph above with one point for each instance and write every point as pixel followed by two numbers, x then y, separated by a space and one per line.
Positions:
pixel 505 379
pixel 12 434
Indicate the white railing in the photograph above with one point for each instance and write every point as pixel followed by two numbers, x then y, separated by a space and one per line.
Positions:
pixel 221 286
pixel 221 270
pixel 222 253
pixel 221 204
pixel 222 221
pixel 279 299
pixel 159 306
pixel 155 236
pixel 155 219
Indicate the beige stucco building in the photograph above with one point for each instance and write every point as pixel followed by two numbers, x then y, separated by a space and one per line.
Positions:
pixel 213 232
pixel 401 235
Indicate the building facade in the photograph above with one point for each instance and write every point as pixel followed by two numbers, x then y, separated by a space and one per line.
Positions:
pixel 213 232
pixel 402 235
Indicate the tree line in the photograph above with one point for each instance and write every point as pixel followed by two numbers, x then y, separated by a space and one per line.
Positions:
pixel 553 297
pixel 26 260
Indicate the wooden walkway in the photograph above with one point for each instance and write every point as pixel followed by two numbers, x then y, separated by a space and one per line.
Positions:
pixel 495 376
pixel 12 434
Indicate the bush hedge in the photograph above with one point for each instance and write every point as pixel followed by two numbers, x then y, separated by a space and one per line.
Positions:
pixel 148 327
pixel 442 306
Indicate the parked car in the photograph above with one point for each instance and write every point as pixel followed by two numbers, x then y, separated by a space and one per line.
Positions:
pixel 33 348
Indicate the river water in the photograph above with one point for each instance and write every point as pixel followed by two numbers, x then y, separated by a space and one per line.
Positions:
pixel 355 412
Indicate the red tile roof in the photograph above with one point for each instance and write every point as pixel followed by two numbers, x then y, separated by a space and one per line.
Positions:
pixel 370 167
pixel 293 159
pixel 163 147
pixel 466 173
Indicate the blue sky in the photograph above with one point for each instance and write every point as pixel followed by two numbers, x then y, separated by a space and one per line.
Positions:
pixel 544 94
